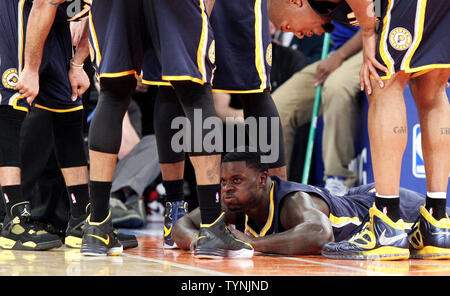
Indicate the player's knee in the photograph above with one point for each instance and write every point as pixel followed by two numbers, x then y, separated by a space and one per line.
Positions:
pixel 69 143
pixel 11 123
pixel 120 87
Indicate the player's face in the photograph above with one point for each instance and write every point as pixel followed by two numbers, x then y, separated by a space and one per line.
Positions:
pixel 302 21
pixel 240 186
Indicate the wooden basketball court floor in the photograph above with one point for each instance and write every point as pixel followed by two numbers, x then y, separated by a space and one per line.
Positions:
pixel 150 259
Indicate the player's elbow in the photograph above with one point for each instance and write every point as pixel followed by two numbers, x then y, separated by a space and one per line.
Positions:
pixel 321 234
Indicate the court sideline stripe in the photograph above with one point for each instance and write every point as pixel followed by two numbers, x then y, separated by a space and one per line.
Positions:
pixel 335 265
pixel 193 268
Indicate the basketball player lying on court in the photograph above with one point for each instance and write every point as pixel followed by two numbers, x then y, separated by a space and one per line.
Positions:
pixel 282 217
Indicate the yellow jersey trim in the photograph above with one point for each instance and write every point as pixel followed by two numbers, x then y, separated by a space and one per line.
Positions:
pixel 239 91
pixel 148 82
pixel 20 35
pixel 418 34
pixel 259 50
pixel 119 74
pixel 183 77
pixel 59 110
pixel 201 50
pixel 98 55
pixel 17 107
pixel 383 42
pixel 269 221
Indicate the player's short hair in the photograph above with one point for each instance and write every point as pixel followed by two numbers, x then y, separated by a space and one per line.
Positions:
pixel 252 159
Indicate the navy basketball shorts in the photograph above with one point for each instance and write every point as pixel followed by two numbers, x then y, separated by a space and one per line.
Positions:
pixel 243 46
pixel 161 40
pixel 55 92
pixel 414 36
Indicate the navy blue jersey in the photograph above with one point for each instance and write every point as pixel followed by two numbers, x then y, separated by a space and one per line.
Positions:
pixel 408 33
pixel 347 213
pixel 166 40
pixel 243 46
pixel 55 91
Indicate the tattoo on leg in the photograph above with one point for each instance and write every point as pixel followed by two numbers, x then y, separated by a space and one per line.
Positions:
pixel 445 130
pixel 400 129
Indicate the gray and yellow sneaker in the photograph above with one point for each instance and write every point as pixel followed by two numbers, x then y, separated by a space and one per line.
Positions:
pixel 215 241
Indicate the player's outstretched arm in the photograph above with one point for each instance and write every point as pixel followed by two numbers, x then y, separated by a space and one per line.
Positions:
pixel 308 229
pixel 185 231
pixel 40 22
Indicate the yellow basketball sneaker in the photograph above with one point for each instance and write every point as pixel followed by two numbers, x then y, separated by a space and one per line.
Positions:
pixel 379 239
pixel 430 239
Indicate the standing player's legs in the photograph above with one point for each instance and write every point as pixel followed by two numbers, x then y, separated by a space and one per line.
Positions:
pixel 388 130
pixel 261 106
pixel 116 37
pixel 430 239
pixel 105 135
pixel 18 231
pixel 186 56
pixel 167 108
pixel 384 236
pixel 433 108
pixel 69 150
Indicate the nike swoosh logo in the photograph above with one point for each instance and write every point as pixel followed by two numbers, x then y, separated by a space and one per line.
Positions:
pixel 105 241
pixel 167 231
pixel 386 241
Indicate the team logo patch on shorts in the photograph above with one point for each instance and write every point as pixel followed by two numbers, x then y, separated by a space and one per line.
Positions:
pixel 212 52
pixel 10 78
pixel 400 38
pixel 269 55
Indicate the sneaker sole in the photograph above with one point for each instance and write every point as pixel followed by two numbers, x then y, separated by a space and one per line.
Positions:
pixel 9 244
pixel 168 246
pixel 89 251
pixel 208 253
pixel 73 242
pixel 431 253
pixel 382 253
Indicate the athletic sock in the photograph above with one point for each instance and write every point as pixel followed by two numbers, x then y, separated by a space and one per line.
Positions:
pixel 389 205
pixel 209 201
pixel 12 195
pixel 100 195
pixel 174 190
pixel 79 199
pixel 436 203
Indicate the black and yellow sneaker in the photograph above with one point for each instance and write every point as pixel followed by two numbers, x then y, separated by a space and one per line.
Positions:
pixel 99 239
pixel 173 212
pixel 215 241
pixel 379 239
pixel 20 232
pixel 74 231
pixel 429 238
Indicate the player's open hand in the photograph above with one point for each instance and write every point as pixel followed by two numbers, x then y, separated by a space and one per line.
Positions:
pixel 28 85
pixel 240 235
pixel 79 82
pixel 370 64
